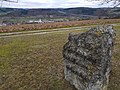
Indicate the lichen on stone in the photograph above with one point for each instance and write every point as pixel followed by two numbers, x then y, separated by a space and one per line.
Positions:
pixel 87 58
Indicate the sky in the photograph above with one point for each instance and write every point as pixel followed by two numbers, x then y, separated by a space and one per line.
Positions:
pixel 53 4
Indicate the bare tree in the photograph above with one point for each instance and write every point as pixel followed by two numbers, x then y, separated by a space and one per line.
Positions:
pixel 14 1
pixel 114 3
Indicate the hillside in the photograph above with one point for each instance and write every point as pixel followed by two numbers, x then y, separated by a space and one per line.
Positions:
pixel 10 12
pixel 10 16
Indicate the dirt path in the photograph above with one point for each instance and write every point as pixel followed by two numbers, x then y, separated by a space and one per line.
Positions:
pixel 40 32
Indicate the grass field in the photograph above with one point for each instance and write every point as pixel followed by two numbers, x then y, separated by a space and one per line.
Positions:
pixel 36 62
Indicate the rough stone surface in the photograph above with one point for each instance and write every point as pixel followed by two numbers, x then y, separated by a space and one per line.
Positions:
pixel 87 58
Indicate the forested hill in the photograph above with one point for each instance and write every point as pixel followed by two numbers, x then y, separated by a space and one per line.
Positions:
pixel 14 12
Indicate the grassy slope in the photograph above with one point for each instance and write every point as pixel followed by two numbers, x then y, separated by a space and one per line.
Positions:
pixel 36 63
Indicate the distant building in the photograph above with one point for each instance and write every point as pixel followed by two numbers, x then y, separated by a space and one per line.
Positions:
pixel 3 24
pixel 35 21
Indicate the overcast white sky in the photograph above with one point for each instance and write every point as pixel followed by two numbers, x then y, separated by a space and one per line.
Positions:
pixel 52 4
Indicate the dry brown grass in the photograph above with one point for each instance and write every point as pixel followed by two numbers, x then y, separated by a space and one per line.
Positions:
pixel 26 27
